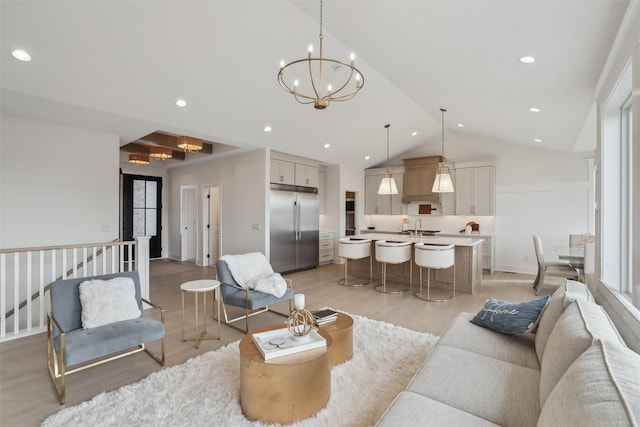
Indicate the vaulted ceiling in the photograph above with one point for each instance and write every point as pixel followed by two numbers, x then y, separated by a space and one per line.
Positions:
pixel 119 67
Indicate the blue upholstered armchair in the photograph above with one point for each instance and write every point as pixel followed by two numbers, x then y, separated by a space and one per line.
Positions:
pixel 76 328
pixel 253 302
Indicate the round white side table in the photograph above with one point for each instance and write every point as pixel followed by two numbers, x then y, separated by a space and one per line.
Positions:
pixel 201 287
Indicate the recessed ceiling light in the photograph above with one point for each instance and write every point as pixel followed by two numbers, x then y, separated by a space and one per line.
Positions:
pixel 327 145
pixel 181 103
pixel 414 133
pixel 21 55
pixel 534 110
pixel 537 140
pixel 267 128
pixel 367 157
pixel 460 125
pixel 527 59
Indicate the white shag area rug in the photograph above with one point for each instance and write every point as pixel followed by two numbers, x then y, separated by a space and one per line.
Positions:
pixel 204 391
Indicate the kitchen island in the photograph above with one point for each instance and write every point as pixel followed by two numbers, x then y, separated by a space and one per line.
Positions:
pixel 468 262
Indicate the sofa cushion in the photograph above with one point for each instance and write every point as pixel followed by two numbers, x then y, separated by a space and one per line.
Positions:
pixel 514 348
pixel 497 391
pixel 108 301
pixel 562 297
pixel 581 323
pixel 82 345
pixel 411 409
pixel 511 318
pixel 602 387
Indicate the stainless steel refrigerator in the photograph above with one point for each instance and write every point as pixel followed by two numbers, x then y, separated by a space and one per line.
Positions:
pixel 294 225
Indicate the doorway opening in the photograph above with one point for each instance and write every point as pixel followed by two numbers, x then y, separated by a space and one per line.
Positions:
pixel 350 213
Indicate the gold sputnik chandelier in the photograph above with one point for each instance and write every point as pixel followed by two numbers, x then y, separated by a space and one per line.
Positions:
pixel 343 84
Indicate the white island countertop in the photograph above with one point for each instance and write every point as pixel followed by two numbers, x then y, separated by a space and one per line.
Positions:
pixel 439 240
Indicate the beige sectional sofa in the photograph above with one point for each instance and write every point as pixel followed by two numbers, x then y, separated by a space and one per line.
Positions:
pixel 574 370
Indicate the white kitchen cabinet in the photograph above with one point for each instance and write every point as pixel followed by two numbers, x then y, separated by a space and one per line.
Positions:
pixel 371 184
pixel 327 247
pixel 448 200
pixel 376 204
pixel 306 176
pixel 282 172
pixel 488 258
pixel 293 173
pixel 474 191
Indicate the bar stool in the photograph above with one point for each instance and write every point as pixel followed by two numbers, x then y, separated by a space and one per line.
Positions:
pixel 437 257
pixel 389 252
pixel 349 248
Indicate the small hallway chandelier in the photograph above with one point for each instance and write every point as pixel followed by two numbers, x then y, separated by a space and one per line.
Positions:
pixel 443 182
pixel 348 79
pixel 388 184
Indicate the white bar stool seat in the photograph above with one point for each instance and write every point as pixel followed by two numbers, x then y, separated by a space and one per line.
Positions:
pixel 438 257
pixel 350 248
pixel 389 252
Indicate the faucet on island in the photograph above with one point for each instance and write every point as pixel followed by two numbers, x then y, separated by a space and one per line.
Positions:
pixel 415 226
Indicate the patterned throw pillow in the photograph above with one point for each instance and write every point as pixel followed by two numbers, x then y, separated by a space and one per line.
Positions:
pixel 511 318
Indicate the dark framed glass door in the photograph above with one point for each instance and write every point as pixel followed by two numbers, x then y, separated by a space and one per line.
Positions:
pixel 142 210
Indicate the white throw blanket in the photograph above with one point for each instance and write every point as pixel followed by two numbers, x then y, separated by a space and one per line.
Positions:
pixel 253 271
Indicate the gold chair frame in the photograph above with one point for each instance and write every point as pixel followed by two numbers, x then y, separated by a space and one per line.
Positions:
pixel 248 312
pixel 58 369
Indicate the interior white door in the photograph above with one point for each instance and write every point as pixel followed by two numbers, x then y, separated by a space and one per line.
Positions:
pixel 188 221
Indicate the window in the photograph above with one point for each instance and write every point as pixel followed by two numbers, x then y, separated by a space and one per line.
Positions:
pixel 616 190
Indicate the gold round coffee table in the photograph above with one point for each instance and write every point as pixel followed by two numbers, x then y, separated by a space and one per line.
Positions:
pixel 341 332
pixel 284 389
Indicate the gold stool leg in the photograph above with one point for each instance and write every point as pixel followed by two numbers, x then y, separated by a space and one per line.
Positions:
pixel 197 332
pixel 396 289
pixel 345 281
pixel 182 315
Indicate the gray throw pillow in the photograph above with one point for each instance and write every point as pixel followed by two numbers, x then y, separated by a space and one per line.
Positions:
pixel 511 318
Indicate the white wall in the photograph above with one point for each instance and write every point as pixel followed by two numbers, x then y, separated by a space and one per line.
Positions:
pixel 243 198
pixel 58 185
pixel 331 220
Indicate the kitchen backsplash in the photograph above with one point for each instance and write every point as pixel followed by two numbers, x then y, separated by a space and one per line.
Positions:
pixel 446 224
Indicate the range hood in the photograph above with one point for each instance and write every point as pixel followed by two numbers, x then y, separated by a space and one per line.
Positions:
pixel 419 174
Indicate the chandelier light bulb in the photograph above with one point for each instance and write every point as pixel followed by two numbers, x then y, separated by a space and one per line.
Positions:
pixel 282 63
pixel 329 88
pixel 310 48
pixel 353 56
pixel 296 82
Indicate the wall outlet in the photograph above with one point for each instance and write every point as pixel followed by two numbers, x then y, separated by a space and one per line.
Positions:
pixel 255 226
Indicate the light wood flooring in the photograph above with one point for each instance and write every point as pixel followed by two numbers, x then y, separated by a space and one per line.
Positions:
pixel 27 396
